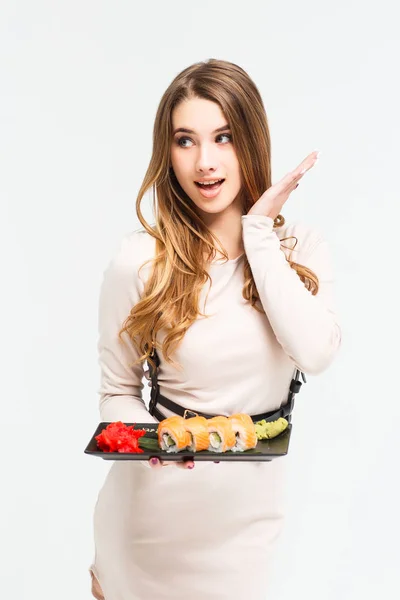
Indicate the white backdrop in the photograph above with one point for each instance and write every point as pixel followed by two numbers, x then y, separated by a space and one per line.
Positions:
pixel 80 84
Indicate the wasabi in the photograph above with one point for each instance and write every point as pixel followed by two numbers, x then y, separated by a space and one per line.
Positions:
pixel 265 430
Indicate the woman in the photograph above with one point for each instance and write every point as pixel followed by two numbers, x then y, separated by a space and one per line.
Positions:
pixel 234 301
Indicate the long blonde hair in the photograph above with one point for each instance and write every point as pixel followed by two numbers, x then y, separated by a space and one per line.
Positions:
pixel 171 294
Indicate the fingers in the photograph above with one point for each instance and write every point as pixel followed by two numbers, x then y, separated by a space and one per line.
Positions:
pixel 292 179
pixel 289 182
pixel 306 165
pixel 186 464
pixel 292 187
pixel 156 463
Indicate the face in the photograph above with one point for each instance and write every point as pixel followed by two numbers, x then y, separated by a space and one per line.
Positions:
pixel 204 153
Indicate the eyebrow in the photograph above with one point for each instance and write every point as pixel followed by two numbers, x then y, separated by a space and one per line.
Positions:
pixel 185 130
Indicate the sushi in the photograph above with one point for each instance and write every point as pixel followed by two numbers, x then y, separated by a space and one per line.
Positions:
pixel 172 435
pixel 222 436
pixel 245 432
pixel 198 431
pixel 218 434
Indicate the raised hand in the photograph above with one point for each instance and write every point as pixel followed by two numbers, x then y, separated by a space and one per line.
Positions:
pixel 271 202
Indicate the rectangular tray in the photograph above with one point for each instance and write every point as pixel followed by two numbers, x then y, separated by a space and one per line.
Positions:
pixel 265 450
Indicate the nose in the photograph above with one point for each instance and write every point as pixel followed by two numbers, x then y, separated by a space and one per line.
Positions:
pixel 206 160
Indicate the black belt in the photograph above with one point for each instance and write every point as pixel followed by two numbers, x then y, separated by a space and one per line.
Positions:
pixel 157 398
pixel 284 411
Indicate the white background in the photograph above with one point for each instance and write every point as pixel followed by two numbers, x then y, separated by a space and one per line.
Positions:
pixel 80 85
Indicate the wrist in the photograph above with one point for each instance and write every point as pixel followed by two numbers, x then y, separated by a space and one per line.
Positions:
pixel 262 213
pixel 258 213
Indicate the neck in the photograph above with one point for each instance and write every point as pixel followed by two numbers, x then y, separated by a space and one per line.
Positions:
pixel 227 227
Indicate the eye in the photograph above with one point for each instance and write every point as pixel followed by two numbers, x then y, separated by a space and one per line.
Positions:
pixel 181 139
pixel 228 135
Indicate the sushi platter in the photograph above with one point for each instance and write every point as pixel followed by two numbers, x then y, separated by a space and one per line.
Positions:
pixel 156 439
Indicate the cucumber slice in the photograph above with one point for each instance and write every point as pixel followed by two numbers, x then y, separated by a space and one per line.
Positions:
pixel 168 440
pixel 215 439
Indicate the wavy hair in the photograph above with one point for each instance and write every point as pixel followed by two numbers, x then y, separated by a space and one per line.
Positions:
pixel 171 294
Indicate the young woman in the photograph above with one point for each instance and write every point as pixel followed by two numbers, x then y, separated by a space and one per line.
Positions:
pixel 233 299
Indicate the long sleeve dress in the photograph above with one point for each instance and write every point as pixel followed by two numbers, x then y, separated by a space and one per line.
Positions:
pixel 208 532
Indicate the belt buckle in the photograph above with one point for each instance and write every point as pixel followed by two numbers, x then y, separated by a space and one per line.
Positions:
pixel 186 411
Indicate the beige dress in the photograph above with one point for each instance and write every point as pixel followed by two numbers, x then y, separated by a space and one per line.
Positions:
pixel 208 532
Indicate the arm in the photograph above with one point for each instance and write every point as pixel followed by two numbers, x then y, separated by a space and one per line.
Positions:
pixel 306 326
pixel 121 382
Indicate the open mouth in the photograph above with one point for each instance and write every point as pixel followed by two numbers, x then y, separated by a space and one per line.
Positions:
pixel 207 186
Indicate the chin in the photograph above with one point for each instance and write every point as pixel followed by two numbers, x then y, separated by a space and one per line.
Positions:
pixel 219 205
pixel 215 208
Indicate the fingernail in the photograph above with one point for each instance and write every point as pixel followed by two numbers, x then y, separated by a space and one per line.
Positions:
pixel 154 461
pixel 190 467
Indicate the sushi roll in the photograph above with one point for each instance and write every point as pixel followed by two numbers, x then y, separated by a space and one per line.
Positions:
pixel 245 432
pixel 198 431
pixel 172 435
pixel 222 436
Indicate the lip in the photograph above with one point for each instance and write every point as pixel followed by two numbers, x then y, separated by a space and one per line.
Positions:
pixel 208 179
pixel 210 193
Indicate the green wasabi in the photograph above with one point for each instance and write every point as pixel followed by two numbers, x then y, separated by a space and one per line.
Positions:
pixel 265 430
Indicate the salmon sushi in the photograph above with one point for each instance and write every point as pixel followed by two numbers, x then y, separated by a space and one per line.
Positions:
pixel 222 436
pixel 198 431
pixel 245 432
pixel 172 435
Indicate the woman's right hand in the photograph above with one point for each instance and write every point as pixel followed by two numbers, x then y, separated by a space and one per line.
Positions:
pixel 156 463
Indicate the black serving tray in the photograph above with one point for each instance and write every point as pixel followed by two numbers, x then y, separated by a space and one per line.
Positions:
pixel 265 450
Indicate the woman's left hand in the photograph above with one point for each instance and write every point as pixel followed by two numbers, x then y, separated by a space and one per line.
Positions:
pixel 271 202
